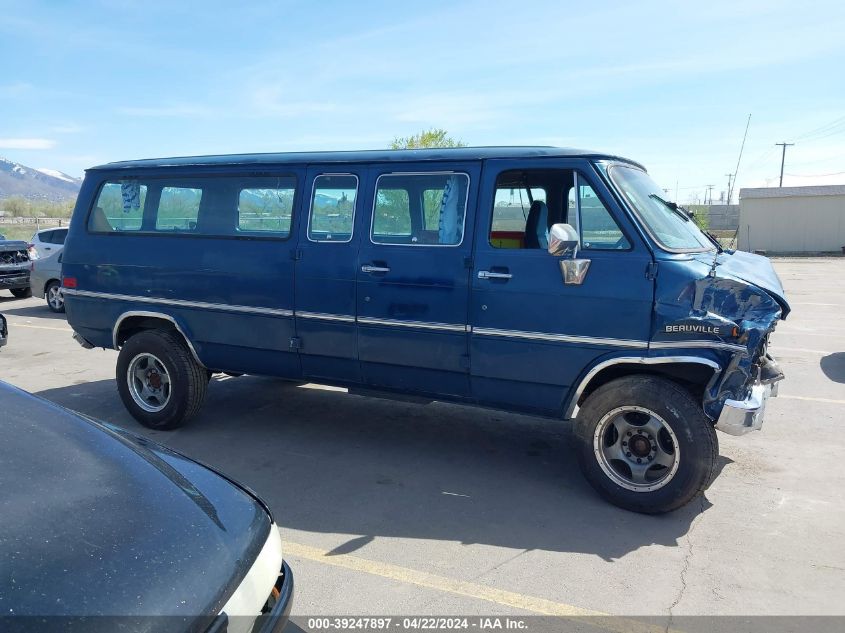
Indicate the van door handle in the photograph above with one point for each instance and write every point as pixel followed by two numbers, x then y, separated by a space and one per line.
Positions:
pixel 486 274
pixel 366 268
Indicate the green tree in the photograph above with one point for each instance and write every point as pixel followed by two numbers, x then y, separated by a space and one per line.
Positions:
pixel 396 208
pixel 435 137
pixel 700 215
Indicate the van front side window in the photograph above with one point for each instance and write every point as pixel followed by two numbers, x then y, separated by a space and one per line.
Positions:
pixel 420 209
pixel 599 231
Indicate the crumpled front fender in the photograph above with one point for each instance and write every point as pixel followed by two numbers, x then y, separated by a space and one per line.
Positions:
pixel 736 317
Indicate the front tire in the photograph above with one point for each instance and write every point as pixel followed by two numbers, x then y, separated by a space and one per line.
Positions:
pixel 55 297
pixel 160 383
pixel 21 293
pixel 645 444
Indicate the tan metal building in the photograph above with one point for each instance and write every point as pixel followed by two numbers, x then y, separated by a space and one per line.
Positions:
pixel 792 219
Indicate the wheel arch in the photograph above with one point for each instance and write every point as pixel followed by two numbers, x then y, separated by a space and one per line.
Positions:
pixel 134 321
pixel 47 282
pixel 689 371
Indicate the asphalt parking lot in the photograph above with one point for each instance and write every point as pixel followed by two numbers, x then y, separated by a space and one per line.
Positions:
pixel 395 508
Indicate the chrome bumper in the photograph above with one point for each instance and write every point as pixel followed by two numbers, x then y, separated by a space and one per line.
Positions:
pixel 738 417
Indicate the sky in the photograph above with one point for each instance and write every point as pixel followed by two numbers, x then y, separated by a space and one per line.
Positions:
pixel 669 84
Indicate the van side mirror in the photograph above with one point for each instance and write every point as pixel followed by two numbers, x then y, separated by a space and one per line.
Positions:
pixel 563 240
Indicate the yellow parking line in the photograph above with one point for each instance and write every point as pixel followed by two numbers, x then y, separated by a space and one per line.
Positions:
pixel 828 400
pixel 468 589
pixel 42 327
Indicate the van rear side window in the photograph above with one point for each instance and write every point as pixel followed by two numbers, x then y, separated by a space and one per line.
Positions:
pixel 178 209
pixel 218 206
pixel 120 207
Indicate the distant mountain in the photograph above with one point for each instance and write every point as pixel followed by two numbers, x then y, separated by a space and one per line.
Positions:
pixel 36 184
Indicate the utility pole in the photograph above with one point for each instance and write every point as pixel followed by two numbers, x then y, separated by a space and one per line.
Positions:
pixel 783 160
pixel 730 177
pixel 709 193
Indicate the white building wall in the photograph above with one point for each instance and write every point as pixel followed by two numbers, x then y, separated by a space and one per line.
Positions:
pixel 792 219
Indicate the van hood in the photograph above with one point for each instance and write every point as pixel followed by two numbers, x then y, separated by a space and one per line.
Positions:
pixel 94 522
pixel 751 268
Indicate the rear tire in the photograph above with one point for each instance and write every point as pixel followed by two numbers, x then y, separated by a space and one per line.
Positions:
pixel 21 293
pixel 645 444
pixel 55 298
pixel 159 381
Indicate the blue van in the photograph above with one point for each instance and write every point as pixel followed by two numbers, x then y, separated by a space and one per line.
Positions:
pixel 548 281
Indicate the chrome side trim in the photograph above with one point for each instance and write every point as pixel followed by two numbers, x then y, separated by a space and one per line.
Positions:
pixel 181 303
pixel 322 316
pixel 156 315
pixel 572 409
pixel 560 338
pixel 423 325
pixel 698 344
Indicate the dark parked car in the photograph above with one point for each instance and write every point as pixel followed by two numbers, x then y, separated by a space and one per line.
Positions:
pixel 14 267
pixel 4 331
pixel 97 522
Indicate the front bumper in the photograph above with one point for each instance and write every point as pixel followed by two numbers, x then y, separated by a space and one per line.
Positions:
pixel 277 618
pixel 15 280
pixel 738 417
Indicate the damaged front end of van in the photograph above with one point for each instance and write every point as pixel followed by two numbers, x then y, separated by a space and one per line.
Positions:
pixel 725 306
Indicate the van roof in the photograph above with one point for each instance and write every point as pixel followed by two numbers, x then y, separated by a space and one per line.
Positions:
pixel 364 156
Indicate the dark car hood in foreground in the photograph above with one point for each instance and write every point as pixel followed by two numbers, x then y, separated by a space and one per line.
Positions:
pixel 95 523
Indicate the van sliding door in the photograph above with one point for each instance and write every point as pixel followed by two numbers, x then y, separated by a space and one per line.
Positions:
pixel 413 278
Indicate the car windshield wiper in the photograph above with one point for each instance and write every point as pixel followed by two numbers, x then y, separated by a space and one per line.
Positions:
pixel 673 206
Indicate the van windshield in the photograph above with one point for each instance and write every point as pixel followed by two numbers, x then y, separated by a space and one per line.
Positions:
pixel 663 220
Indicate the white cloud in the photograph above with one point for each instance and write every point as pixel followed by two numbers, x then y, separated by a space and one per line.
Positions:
pixel 27 143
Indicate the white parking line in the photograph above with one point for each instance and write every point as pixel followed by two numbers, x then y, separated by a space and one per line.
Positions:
pixel 41 327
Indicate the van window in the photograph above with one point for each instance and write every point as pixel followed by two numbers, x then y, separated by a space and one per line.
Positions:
pixel 526 203
pixel 510 213
pixel 392 214
pixel 178 209
pixel 599 230
pixel 332 213
pixel 119 207
pixel 267 209
pixel 420 209
pixel 215 206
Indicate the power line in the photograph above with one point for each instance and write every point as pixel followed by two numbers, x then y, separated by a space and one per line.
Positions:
pixel 836 173
pixel 783 160
pixel 822 129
